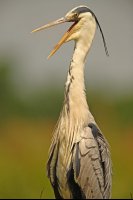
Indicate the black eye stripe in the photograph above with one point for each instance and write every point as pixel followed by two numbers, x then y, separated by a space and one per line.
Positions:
pixel 80 10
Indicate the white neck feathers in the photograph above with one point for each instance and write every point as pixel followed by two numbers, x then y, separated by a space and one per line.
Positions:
pixel 75 96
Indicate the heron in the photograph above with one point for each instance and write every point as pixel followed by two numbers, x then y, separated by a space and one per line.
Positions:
pixel 79 164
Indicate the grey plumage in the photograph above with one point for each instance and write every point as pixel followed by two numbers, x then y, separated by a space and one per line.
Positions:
pixel 89 173
pixel 79 164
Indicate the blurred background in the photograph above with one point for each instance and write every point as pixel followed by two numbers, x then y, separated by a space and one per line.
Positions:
pixel 31 90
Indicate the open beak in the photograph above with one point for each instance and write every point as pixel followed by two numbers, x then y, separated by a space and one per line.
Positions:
pixel 65 36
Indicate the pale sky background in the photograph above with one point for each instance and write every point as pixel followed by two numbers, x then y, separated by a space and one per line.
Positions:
pixel 19 17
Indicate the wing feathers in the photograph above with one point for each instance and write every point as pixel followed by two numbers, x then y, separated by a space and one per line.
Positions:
pixel 89 173
pixel 95 171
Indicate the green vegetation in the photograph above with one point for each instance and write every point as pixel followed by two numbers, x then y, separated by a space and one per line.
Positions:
pixel 26 129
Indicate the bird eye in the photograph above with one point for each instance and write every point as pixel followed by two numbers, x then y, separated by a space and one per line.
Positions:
pixel 75 15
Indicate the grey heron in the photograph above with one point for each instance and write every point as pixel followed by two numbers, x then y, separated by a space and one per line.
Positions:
pixel 79 164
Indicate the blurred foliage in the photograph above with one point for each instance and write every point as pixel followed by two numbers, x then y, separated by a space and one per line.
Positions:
pixel 47 103
pixel 26 130
pixel 41 104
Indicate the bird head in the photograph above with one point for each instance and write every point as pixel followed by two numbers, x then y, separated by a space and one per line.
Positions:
pixel 82 18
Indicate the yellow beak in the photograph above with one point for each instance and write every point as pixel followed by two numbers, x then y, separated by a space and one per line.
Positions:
pixel 65 36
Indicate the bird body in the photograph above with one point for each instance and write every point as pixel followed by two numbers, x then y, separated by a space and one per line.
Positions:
pixel 79 163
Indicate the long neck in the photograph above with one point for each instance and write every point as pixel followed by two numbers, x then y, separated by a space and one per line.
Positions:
pixel 75 96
